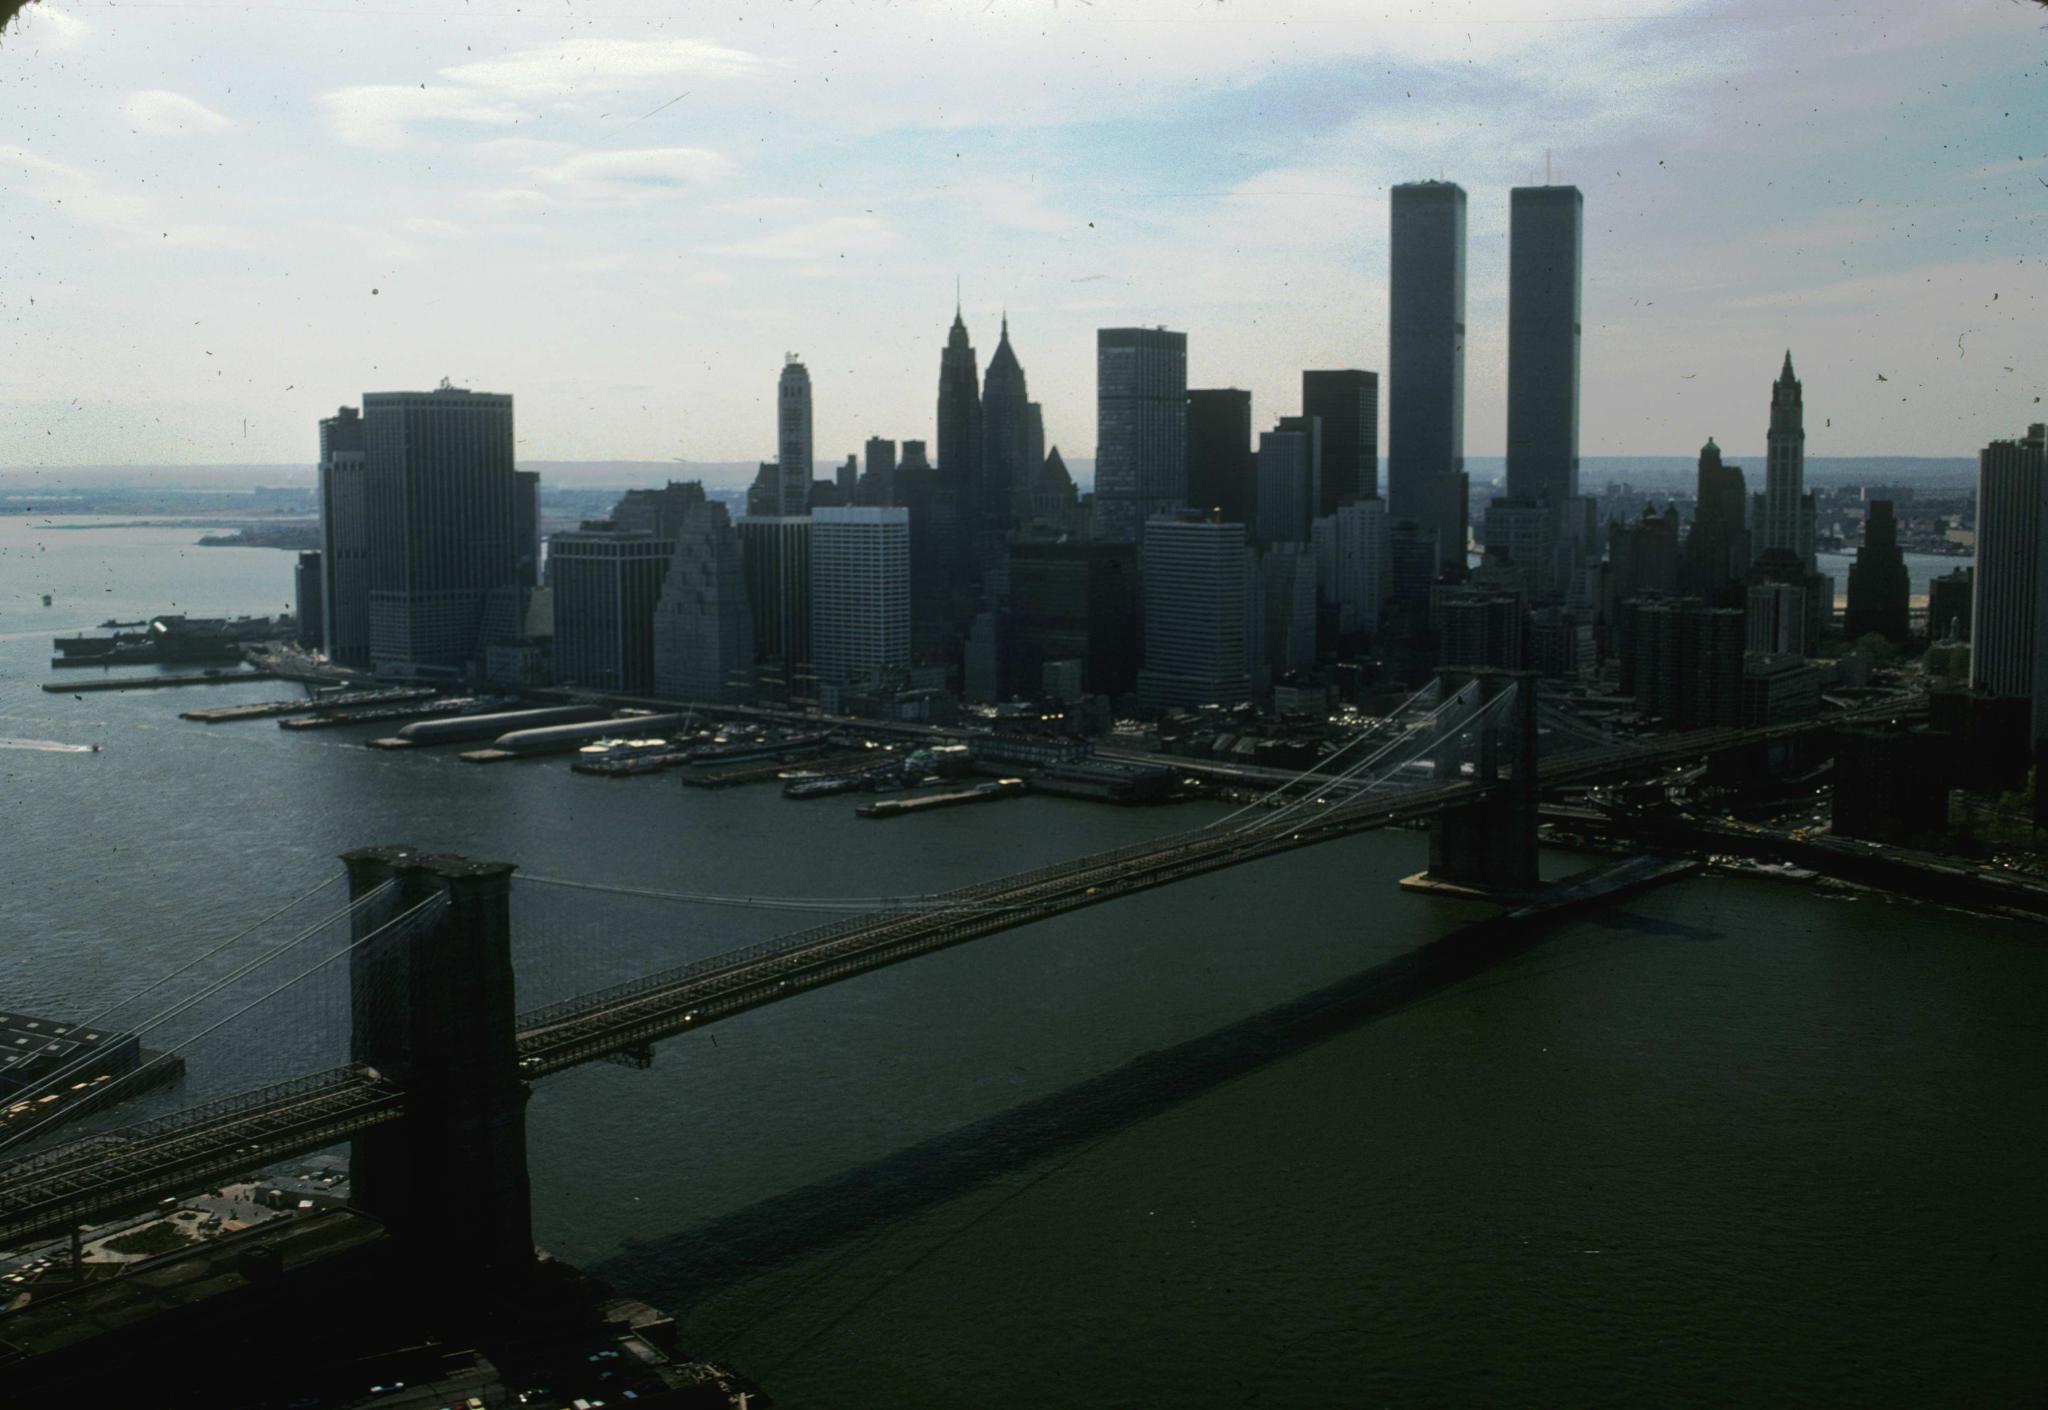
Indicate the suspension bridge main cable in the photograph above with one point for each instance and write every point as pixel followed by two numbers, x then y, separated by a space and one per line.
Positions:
pixel 1316 769
pixel 87 1058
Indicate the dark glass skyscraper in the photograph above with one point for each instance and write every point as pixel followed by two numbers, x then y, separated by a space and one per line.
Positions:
pixel 1426 363
pixel 960 425
pixel 1878 585
pixel 1007 433
pixel 1717 548
pixel 344 540
pixel 1347 402
pixel 1219 438
pixel 1141 426
pixel 443 510
pixel 1545 242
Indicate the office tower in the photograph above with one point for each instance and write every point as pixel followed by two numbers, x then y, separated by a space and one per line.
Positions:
pixel 1426 364
pixel 1545 238
pixel 1354 567
pixel 935 533
pixel 1414 561
pixel 1644 554
pixel 1073 600
pixel 1219 439
pixel 1561 644
pixel 1890 785
pixel 1006 431
pixel 1524 532
pixel 1289 601
pixel 344 540
pixel 1054 499
pixel 764 495
pixel 793 452
pixel 1786 521
pixel 657 513
pixel 526 525
pixel 1033 460
pixel 860 596
pixel 442 501
pixel 825 493
pixel 1198 613
pixel 2011 482
pixel 878 479
pixel 1685 665
pixel 1286 470
pixel 1141 413
pixel 1717 548
pixel 849 479
pixel 1777 616
pixel 1479 628
pixel 775 561
pixel 1878 586
pixel 1948 605
pixel 961 431
pixel 306 590
pixel 606 584
pixel 1347 402
pixel 1779 689
pixel 703 627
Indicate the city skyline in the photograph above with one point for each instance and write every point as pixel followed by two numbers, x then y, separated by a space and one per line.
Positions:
pixel 658 242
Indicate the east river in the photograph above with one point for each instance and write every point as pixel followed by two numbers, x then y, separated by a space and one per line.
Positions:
pixel 1734 1143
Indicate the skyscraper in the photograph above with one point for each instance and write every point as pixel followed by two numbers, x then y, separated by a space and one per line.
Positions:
pixel 1717 548
pixel 793 452
pixel 442 504
pixel 1219 439
pixel 2012 480
pixel 606 583
pixel 703 628
pixel 960 422
pixel 1074 601
pixel 344 540
pixel 1426 364
pixel 1545 235
pixel 1141 415
pixel 1347 402
pixel 1878 586
pixel 775 562
pixel 1198 608
pixel 1287 468
pixel 658 513
pixel 1007 463
pixel 860 596
pixel 1786 524
pixel 1354 568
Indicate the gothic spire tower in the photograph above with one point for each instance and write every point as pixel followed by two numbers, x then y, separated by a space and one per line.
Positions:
pixel 1788 512
pixel 1007 459
pixel 959 440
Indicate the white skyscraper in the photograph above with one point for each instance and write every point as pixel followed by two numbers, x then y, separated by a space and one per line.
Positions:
pixel 860 595
pixel 2005 650
pixel 1199 613
pixel 793 456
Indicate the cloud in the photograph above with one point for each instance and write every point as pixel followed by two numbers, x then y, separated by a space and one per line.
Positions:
pixel 823 239
pixel 79 194
pixel 158 112
pixel 624 178
pixel 48 27
pixel 377 115
pixel 429 225
pixel 583 65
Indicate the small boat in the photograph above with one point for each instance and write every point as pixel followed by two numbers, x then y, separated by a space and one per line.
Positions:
pixel 46 599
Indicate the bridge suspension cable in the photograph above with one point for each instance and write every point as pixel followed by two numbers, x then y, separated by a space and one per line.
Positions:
pixel 64 1072
pixel 817 904
pixel 1315 770
pixel 1278 820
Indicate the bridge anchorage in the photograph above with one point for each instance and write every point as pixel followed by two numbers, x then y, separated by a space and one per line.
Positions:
pixel 1486 845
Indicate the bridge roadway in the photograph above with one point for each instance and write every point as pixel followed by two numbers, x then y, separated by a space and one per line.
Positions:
pixel 189 1150
pixel 102 1175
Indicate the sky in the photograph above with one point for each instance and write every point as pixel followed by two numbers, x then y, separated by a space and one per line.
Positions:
pixel 220 222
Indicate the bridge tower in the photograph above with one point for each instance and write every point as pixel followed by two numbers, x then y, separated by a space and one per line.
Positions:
pixel 1490 844
pixel 431 1008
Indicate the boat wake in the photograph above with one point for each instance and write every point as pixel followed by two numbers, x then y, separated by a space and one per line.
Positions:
pixel 48 746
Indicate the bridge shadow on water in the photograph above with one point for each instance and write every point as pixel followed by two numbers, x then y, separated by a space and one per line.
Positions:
pixel 687 1266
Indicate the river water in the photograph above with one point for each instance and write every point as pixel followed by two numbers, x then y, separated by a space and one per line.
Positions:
pixel 1734 1142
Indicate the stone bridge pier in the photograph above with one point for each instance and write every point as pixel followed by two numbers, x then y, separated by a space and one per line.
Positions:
pixel 432 1009
pixel 1489 844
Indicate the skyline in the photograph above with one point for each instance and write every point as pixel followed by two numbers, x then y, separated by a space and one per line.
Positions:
pixel 200 247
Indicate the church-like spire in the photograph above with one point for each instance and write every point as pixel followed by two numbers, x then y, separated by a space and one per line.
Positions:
pixel 1786 375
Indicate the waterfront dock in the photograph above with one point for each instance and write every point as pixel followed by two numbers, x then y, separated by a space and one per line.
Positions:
pixel 980 793
pixel 155 682
pixel 265 709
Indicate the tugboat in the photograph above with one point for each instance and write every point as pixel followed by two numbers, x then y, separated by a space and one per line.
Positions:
pixel 46 599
